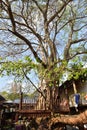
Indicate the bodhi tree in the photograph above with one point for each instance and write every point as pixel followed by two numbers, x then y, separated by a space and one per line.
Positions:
pixel 51 34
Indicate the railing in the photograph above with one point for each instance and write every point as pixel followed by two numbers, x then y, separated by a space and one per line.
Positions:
pixel 32 113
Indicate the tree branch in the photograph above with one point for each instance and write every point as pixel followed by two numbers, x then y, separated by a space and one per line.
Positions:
pixel 35 33
pixel 33 84
pixel 47 4
pixel 38 6
pixel 61 8
pixel 11 16
pixel 79 40
pixel 30 46
pixel 77 53
pixel 75 30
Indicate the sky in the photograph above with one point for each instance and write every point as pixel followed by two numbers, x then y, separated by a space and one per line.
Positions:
pixel 4 81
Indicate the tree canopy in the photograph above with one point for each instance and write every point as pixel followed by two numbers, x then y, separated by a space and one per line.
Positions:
pixel 51 34
pixel 48 37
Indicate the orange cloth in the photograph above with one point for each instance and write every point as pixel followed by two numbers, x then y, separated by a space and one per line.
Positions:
pixel 85 97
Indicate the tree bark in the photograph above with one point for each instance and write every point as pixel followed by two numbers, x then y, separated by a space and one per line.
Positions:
pixel 78 120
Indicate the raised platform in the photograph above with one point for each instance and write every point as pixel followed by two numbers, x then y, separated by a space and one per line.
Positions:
pixel 33 113
pixel 81 108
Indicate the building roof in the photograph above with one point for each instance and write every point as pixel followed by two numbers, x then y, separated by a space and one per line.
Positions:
pixel 26 100
pixel 69 83
pixel 2 98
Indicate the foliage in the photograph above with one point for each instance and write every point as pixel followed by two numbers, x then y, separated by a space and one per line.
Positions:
pixel 78 72
pixel 13 96
pixel 16 68
pixel 5 94
pixel 51 34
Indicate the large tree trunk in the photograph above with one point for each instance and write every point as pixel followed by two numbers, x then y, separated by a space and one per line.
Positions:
pixel 78 120
pixel 52 93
